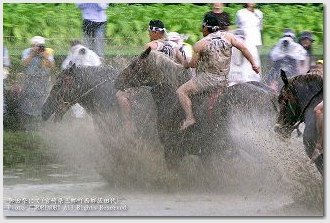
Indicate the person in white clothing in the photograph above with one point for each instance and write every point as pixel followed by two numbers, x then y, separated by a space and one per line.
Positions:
pixel 240 68
pixel 81 56
pixel 250 19
pixel 286 55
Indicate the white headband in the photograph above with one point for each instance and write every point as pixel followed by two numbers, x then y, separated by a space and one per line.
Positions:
pixel 152 28
pixel 214 28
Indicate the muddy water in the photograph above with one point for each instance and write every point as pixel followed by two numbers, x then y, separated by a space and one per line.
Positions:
pixel 264 177
pixel 31 192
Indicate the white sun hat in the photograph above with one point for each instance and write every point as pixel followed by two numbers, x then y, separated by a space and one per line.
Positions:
pixel 36 40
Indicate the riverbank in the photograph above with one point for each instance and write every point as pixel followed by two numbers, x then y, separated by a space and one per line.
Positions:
pixel 25 147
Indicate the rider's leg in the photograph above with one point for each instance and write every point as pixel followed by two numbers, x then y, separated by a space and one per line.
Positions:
pixel 183 93
pixel 125 107
pixel 319 128
pixel 319 124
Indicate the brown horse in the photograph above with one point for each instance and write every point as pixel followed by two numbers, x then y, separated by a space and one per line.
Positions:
pixel 297 99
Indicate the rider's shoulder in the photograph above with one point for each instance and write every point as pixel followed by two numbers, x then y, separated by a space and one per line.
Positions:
pixel 153 45
pixel 199 45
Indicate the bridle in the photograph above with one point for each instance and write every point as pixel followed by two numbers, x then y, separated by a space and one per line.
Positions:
pixel 68 81
pixel 301 114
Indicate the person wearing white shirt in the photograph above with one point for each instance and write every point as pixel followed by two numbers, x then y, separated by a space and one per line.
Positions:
pixel 94 25
pixel 240 68
pixel 250 19
pixel 286 55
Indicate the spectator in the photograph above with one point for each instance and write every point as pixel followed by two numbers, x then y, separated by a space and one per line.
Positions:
pixel 250 20
pixel 6 65
pixel 223 17
pixel 306 40
pixel 94 24
pixel 81 57
pixel 286 55
pixel 38 60
pixel 240 67
pixel 317 68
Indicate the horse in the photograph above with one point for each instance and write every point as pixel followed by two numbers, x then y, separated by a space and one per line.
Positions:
pixel 93 88
pixel 210 134
pixel 297 100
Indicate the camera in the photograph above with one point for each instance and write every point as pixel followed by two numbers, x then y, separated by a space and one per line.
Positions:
pixel 285 43
pixel 41 48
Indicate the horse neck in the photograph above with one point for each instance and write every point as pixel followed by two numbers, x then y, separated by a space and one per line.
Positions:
pixel 167 71
pixel 165 98
pixel 96 90
pixel 307 93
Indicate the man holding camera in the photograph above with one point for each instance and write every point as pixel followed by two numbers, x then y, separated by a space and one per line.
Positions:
pixel 38 60
pixel 286 55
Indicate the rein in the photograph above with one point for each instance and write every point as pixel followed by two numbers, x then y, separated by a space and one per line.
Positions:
pixel 85 93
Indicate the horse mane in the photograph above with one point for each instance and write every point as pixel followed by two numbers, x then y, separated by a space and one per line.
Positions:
pixel 307 79
pixel 162 65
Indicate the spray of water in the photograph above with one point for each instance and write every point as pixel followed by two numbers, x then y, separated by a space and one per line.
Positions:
pixel 256 163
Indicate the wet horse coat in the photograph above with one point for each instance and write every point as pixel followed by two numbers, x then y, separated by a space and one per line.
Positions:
pixel 204 138
pixel 297 100
pixel 93 88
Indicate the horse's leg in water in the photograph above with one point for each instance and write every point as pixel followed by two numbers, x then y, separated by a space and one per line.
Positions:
pixel 183 92
pixel 319 128
pixel 172 151
pixel 126 111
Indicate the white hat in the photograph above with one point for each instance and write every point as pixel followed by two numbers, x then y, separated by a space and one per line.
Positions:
pixel 289 33
pixel 37 40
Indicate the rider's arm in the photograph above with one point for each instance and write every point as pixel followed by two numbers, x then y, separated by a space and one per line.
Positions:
pixel 241 46
pixel 179 57
pixel 196 55
pixel 153 45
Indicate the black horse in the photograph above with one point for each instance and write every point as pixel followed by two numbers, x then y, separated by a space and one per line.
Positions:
pixel 297 99
pixel 93 88
pixel 211 133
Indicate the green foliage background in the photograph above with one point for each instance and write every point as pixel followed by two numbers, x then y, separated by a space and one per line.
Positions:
pixel 127 23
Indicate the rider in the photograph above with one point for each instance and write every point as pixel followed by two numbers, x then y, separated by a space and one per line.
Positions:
pixel 212 56
pixel 319 121
pixel 157 34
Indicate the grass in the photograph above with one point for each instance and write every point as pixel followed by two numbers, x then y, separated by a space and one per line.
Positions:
pixel 21 147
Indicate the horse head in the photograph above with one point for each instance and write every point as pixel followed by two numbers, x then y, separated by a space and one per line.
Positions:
pixel 289 108
pixel 62 94
pixel 295 96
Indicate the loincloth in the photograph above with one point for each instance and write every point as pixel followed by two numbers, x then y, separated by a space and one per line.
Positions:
pixel 204 81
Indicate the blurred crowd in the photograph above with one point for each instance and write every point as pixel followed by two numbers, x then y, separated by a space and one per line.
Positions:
pixel 293 53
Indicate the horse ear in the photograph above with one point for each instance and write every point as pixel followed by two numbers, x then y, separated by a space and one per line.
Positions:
pixel 145 54
pixel 284 77
pixel 72 67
